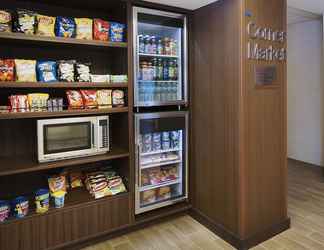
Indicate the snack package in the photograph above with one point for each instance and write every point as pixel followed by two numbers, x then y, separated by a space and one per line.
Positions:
pixel 46 71
pixel 5 21
pixel 100 30
pixel 97 185
pixel 18 103
pixel 76 180
pixel 82 72
pixel 104 98
pixel 100 78
pixel 74 99
pixel 57 183
pixel 89 98
pixel 55 104
pixel 148 196
pixel 20 207
pixel 7 70
pixel 25 70
pixel 84 28
pixel 117 32
pixel 65 70
pixel 116 185
pixel 118 98
pixel 4 210
pixel 42 201
pixel 65 27
pixel 45 25
pixel 37 102
pixel 118 78
pixel 59 199
pixel 25 22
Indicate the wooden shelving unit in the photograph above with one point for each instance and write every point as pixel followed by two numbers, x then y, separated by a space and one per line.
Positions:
pixel 60 40
pixel 19 165
pixel 75 198
pixel 64 113
pixel 62 85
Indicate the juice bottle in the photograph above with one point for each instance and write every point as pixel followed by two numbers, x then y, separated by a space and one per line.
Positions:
pixel 147 44
pixel 141 44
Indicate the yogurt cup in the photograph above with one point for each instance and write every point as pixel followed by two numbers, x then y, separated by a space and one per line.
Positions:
pixel 59 198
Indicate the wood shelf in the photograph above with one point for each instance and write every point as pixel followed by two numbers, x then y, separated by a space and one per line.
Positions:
pixel 62 85
pixel 19 165
pixel 78 197
pixel 61 40
pixel 72 112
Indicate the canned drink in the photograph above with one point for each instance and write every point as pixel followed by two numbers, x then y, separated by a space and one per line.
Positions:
pixel 146 143
pixel 156 141
pixel 175 139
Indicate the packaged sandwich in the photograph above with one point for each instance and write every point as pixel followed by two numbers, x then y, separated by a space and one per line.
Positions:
pixel 5 21
pixel 7 69
pixel 45 26
pixel 83 28
pixel 101 30
pixel 148 196
pixel 25 70
pixel 164 193
pixel 74 99
pixel 25 21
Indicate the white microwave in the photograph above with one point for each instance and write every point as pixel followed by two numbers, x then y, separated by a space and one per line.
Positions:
pixel 66 138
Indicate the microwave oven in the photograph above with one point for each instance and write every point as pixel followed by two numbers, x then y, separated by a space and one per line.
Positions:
pixel 66 138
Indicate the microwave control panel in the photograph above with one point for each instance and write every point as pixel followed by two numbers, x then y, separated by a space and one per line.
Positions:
pixel 103 134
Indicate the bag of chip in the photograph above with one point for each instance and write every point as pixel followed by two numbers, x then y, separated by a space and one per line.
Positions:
pixel 118 98
pixel 25 21
pixel 37 102
pixel 84 28
pixel 76 180
pixel 46 71
pixel 18 103
pixel 74 99
pixel 45 26
pixel 83 72
pixel 117 32
pixel 7 70
pixel 5 21
pixel 89 98
pixel 25 70
pixel 65 70
pixel 65 27
pixel 104 98
pixel 101 30
pixel 57 183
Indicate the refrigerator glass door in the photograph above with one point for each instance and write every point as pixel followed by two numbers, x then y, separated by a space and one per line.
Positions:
pixel 160 58
pixel 161 159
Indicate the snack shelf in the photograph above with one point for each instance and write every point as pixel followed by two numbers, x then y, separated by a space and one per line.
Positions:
pixel 145 81
pixel 72 112
pixel 62 85
pixel 62 40
pixel 161 151
pixel 164 184
pixel 157 55
pixel 19 165
pixel 75 198
pixel 160 164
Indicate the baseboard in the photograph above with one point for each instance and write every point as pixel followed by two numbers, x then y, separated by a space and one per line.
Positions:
pixel 235 240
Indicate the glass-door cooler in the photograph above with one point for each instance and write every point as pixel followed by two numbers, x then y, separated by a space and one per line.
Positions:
pixel 161 159
pixel 160 58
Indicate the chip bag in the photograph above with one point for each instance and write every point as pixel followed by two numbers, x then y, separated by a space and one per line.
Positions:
pixel 89 98
pixel 83 28
pixel 7 69
pixel 25 70
pixel 117 32
pixel 100 30
pixel 104 98
pixel 65 27
pixel 74 99
pixel 46 26
pixel 5 21
pixel 46 71
pixel 57 183
pixel 25 22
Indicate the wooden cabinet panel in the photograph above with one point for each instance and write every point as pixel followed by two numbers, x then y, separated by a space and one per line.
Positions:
pixel 57 228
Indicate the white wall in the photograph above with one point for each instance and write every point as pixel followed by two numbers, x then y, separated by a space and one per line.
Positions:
pixel 306 92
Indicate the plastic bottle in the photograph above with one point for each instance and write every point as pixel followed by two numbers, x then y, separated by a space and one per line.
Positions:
pixel 171 70
pixel 159 49
pixel 147 44
pixel 141 44
pixel 165 70
pixel 176 70
pixel 160 70
pixel 153 45
pixel 155 69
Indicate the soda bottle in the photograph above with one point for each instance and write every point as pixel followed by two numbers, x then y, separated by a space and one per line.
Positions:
pixel 165 70
pixel 150 71
pixel 144 71
pixel 176 71
pixel 167 48
pixel 171 70
pixel 159 49
pixel 153 45
pixel 141 44
pixel 155 69
pixel 174 49
pixel 147 44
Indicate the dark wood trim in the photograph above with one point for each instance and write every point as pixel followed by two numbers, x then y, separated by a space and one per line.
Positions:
pixel 33 38
pixel 62 85
pixel 234 240
pixel 70 112
pixel 19 165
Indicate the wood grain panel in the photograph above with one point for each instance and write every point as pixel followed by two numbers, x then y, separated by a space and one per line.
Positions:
pixel 57 229
pixel 215 95
pixel 264 143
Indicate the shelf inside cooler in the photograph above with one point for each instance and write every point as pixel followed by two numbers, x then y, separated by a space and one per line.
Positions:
pixel 164 184
pixel 160 164
pixel 148 81
pixel 161 151
pixel 157 55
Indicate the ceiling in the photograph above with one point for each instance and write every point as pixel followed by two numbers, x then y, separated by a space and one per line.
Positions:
pixel 315 6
